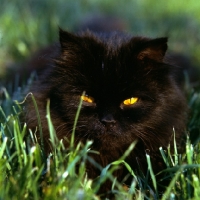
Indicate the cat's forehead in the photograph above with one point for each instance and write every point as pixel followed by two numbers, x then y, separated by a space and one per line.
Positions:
pixel 115 60
pixel 112 75
pixel 112 65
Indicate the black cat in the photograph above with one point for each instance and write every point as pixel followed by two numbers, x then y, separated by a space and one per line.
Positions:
pixel 131 93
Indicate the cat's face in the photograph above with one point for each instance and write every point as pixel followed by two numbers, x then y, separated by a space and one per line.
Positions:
pixel 127 91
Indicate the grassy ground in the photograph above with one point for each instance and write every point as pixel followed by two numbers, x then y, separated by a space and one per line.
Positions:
pixel 27 174
pixel 25 26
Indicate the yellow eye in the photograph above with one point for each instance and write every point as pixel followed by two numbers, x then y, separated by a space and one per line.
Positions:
pixel 130 101
pixel 87 99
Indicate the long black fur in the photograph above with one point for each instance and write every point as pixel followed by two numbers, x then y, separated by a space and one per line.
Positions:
pixel 111 68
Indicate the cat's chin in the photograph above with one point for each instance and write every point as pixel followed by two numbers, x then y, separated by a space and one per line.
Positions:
pixel 113 131
pixel 112 140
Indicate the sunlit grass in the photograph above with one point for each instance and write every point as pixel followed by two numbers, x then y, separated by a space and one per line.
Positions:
pixel 25 174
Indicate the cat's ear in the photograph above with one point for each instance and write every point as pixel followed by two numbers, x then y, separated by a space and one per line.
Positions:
pixel 67 39
pixel 154 49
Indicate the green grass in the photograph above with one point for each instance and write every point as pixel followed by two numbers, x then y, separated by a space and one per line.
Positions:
pixel 26 173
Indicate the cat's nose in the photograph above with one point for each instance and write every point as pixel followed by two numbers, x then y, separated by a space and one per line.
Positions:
pixel 108 119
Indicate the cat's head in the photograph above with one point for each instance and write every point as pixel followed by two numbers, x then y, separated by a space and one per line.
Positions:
pixel 128 92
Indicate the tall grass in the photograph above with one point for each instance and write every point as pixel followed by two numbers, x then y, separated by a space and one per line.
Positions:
pixel 27 174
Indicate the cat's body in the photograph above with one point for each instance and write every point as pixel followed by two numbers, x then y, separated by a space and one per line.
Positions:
pixel 130 94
